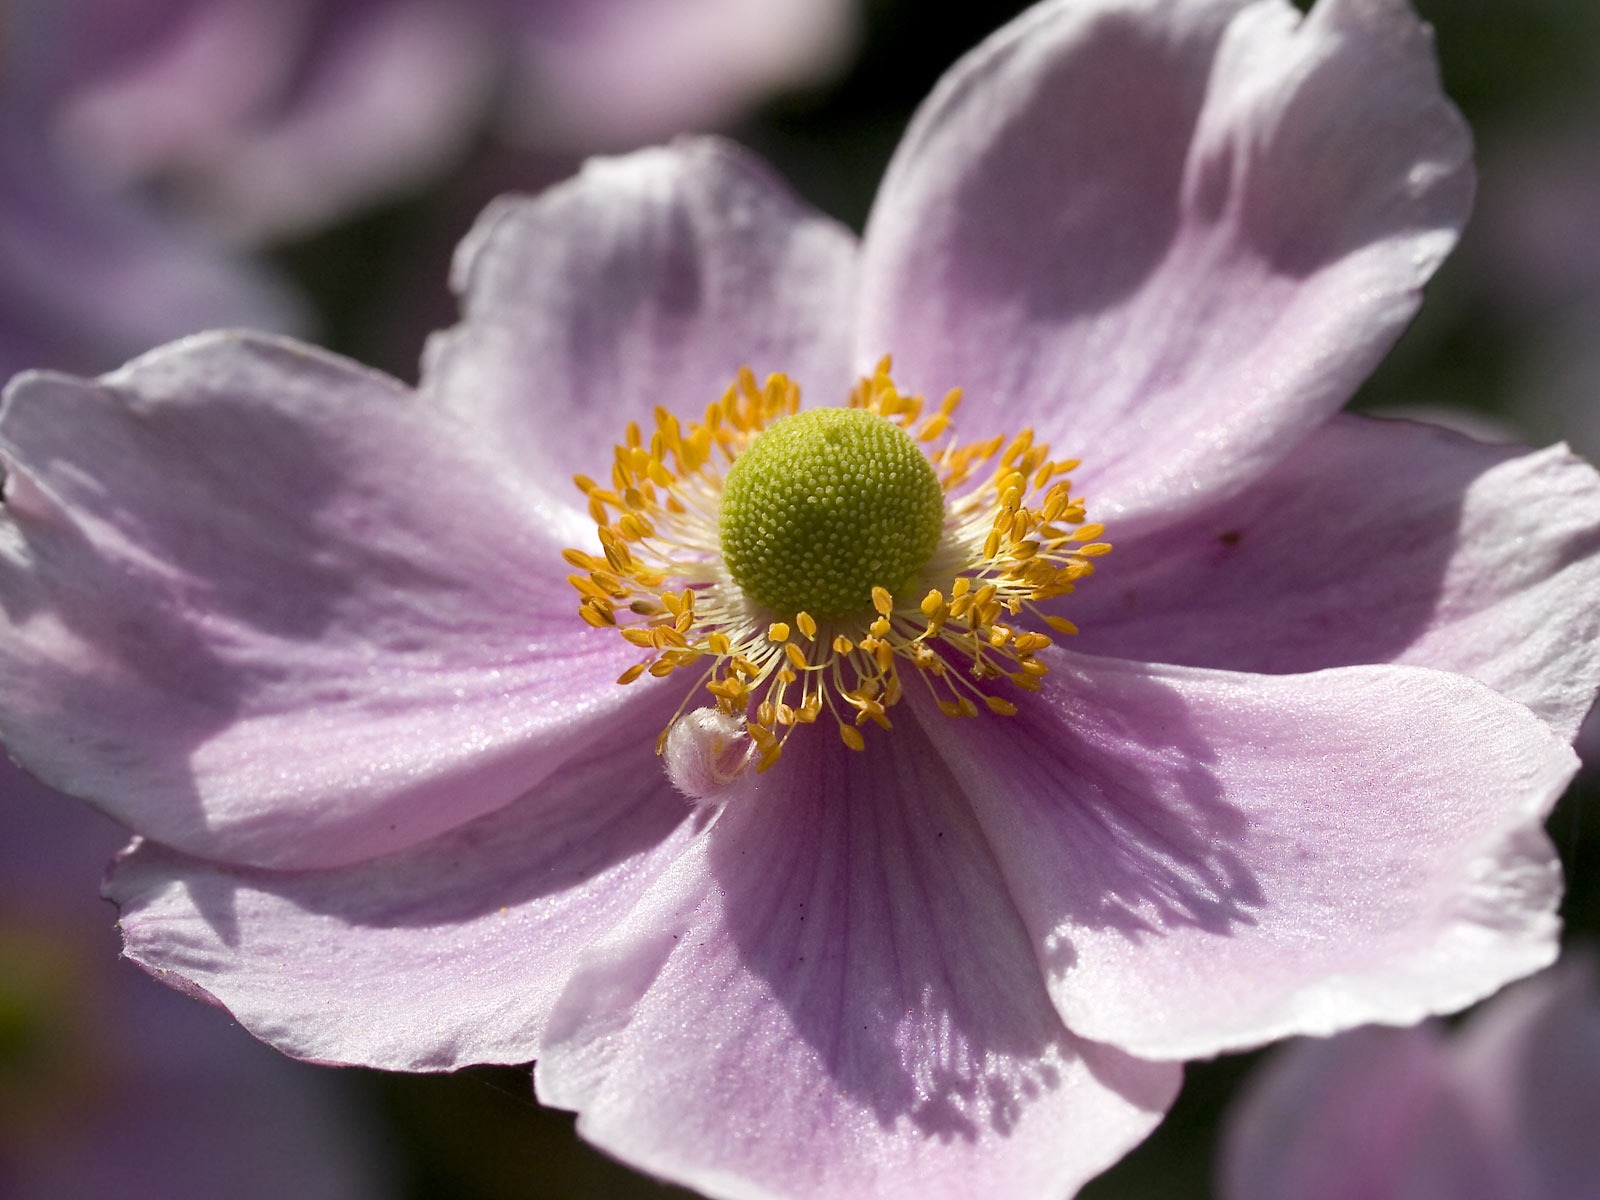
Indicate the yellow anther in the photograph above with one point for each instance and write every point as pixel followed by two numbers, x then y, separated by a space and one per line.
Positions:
pixel 1014 536
pixel 594 613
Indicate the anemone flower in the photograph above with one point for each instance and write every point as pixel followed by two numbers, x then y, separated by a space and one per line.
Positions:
pixel 1503 1106
pixel 601 703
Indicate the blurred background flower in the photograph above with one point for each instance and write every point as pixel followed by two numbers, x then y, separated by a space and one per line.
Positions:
pixel 308 165
pixel 146 144
pixel 1503 1106
pixel 112 1084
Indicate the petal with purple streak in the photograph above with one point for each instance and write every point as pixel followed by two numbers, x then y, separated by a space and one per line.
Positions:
pixel 646 280
pixel 1374 541
pixel 1171 237
pixel 1208 860
pixel 832 995
pixel 478 928
pixel 297 618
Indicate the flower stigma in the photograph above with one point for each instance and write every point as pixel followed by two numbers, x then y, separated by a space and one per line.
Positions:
pixel 809 562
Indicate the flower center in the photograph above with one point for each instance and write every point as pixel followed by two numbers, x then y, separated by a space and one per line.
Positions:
pixel 804 564
pixel 826 505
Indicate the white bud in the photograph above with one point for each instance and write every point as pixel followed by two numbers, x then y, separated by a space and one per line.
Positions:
pixel 707 752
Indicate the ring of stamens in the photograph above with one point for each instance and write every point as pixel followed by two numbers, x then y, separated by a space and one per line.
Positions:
pixel 1013 536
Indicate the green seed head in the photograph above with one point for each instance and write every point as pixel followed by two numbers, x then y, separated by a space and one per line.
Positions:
pixel 825 505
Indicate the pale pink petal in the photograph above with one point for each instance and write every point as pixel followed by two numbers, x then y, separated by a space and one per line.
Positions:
pixel 266 607
pixel 831 996
pixel 1374 541
pixel 646 280
pixel 446 954
pixel 1209 860
pixel 1173 235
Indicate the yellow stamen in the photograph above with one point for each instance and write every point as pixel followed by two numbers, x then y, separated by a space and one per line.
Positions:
pixel 1013 537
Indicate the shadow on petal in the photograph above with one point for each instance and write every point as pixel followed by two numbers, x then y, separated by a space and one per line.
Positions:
pixel 860 891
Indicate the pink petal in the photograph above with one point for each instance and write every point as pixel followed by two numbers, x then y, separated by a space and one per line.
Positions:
pixel 443 955
pixel 1374 541
pixel 647 280
pixel 297 618
pixel 1209 860
pixel 831 996
pixel 1172 234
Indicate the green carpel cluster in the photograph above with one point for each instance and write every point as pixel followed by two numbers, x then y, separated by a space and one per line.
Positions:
pixel 824 506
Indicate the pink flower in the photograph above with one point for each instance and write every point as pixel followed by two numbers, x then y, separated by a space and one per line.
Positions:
pixel 310 634
pixel 141 140
pixel 1504 1106
pixel 91 279
pixel 271 119
pixel 111 1085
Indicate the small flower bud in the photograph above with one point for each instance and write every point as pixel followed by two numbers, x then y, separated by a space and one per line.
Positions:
pixel 707 751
